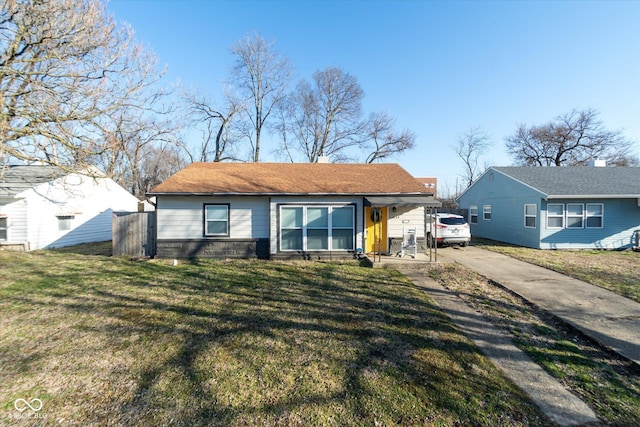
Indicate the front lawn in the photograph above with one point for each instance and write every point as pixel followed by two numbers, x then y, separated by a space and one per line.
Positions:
pixel 109 341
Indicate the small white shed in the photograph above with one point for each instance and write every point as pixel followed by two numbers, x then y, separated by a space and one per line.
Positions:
pixel 44 207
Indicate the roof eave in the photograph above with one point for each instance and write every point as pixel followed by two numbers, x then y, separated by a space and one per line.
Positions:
pixel 151 194
pixel 592 196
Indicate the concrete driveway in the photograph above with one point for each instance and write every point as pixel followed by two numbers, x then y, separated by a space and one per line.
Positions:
pixel 601 314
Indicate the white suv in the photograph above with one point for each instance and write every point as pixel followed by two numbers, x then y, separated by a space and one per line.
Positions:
pixel 449 228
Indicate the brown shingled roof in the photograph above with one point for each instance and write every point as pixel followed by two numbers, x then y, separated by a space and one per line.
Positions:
pixel 290 178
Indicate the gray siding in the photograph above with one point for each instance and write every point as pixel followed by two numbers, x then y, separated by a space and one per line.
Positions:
pixel 181 217
pixel 180 228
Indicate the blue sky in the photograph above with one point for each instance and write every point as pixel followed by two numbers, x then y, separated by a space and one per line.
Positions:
pixel 439 67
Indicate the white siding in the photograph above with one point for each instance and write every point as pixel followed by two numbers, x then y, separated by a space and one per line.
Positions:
pixel 16 212
pixel 181 217
pixel 405 217
pixel 90 202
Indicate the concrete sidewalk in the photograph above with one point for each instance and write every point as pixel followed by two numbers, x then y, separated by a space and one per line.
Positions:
pixel 603 315
pixel 560 405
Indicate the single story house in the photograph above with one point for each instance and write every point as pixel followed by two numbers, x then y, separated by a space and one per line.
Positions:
pixel 286 210
pixel 580 207
pixel 41 206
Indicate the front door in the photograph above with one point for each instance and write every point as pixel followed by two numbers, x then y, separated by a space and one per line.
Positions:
pixel 376 229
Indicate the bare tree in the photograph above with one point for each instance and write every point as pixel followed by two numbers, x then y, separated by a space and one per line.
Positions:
pixel 384 140
pixel 215 123
pixel 324 118
pixel 262 75
pixel 160 162
pixel 570 140
pixel 65 68
pixel 135 136
pixel 470 146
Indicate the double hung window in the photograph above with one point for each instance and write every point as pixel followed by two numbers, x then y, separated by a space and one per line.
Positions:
pixel 3 228
pixel 555 215
pixel 575 215
pixel 594 215
pixel 473 214
pixel 530 216
pixel 216 220
pixel 486 212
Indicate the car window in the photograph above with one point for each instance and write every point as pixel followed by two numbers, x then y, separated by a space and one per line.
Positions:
pixel 453 221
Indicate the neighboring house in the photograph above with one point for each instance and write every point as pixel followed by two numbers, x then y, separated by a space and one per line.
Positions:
pixel 556 207
pixel 43 207
pixel 431 184
pixel 286 210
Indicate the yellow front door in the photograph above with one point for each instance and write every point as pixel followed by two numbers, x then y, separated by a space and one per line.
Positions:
pixel 376 231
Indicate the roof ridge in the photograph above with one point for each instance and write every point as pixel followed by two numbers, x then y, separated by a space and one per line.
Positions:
pixel 290 178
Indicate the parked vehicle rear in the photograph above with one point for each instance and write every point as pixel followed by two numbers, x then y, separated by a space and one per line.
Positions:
pixel 448 229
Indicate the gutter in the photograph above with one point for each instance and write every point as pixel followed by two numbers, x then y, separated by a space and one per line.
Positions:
pixel 290 194
pixel 592 196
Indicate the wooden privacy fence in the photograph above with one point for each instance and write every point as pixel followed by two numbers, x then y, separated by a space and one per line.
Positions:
pixel 134 234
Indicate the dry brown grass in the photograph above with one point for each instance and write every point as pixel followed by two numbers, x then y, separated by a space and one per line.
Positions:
pixel 109 341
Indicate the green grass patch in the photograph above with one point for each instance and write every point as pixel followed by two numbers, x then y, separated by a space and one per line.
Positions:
pixel 110 341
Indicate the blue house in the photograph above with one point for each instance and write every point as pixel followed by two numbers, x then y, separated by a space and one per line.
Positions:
pixel 582 207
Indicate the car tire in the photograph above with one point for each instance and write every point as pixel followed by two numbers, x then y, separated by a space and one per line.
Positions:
pixel 430 241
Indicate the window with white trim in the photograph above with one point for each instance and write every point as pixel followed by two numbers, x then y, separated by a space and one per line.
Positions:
pixel 342 228
pixel 316 228
pixel 486 212
pixel 555 215
pixel 216 220
pixel 594 213
pixel 575 215
pixel 64 222
pixel 473 214
pixel 530 215
pixel 4 222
